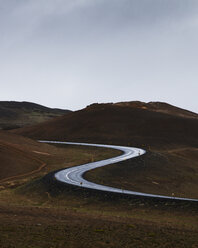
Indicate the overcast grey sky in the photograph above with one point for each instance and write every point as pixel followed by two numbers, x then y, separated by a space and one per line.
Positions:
pixel 71 53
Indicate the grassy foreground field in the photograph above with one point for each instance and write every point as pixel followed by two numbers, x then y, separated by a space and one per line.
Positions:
pixel 31 216
pixel 74 222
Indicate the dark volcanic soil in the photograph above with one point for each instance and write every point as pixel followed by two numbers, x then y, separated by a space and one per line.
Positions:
pixel 132 124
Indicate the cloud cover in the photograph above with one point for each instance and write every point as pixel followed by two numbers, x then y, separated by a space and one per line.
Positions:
pixel 70 53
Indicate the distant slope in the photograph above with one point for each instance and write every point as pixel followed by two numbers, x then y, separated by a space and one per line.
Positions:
pixel 20 114
pixel 131 123
pixel 161 107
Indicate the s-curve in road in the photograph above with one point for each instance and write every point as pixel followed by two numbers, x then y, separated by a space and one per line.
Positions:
pixel 74 175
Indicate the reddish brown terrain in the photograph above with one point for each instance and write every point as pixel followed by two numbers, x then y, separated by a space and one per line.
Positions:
pixel 18 156
pixel 158 125
pixel 22 157
pixel 168 133
pixel 37 213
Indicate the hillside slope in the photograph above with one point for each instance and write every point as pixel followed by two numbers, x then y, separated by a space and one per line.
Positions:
pixel 18 156
pixel 20 114
pixel 23 159
pixel 169 134
pixel 160 107
pixel 134 123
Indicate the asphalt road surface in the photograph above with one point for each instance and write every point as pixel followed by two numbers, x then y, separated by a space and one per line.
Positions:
pixel 74 175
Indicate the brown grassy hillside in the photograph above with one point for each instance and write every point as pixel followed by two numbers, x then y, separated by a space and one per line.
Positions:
pixel 134 123
pixel 21 157
pixel 18 156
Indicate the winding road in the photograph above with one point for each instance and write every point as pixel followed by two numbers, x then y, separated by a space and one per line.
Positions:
pixel 74 175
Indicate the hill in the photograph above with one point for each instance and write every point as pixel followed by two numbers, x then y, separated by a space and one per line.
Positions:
pixel 18 156
pixel 23 159
pixel 32 212
pixel 19 114
pixel 169 135
pixel 157 125
pixel 160 107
